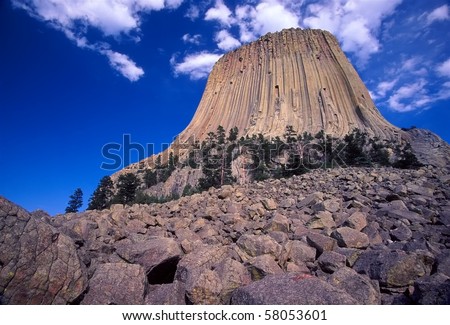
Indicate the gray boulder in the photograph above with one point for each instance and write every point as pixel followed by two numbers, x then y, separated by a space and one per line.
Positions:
pixel 289 289
pixel 360 287
pixel 392 268
pixel 331 261
pixel 153 253
pixel 38 264
pixel 348 237
pixel 255 245
pixel 117 284
pixel 166 294
pixel 432 290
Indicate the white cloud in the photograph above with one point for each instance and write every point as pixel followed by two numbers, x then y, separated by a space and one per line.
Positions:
pixel 196 66
pixel 356 23
pixel 443 69
pixel 111 17
pixel 225 41
pixel 267 16
pixel 444 92
pixel 253 20
pixel 193 39
pixel 221 13
pixel 384 87
pixel 439 14
pixel 272 16
pixel 410 64
pixel 410 97
pixel 123 64
pixel 193 12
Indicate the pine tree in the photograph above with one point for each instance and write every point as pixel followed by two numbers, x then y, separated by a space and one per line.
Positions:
pixel 75 201
pixel 408 159
pixel 127 185
pixel 233 134
pixel 355 153
pixel 102 196
pixel 220 134
pixel 150 178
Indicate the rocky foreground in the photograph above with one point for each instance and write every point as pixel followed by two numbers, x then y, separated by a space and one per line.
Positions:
pixel 342 236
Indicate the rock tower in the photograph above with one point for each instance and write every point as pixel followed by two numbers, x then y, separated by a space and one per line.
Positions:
pixel 294 77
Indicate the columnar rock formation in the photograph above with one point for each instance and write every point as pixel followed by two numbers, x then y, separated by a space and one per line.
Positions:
pixel 294 77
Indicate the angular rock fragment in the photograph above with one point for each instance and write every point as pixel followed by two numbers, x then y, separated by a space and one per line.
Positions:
pixel 291 289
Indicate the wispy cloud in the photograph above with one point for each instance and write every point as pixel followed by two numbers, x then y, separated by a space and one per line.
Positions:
pixel 439 14
pixel 266 16
pixel 409 97
pixel 384 87
pixel 111 17
pixel 355 23
pixel 197 65
pixel 225 41
pixel 220 13
pixel 193 12
pixel 193 39
pixel 443 69
pixel 124 65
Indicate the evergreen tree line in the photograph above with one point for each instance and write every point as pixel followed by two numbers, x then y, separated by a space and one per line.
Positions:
pixel 292 154
pixel 260 158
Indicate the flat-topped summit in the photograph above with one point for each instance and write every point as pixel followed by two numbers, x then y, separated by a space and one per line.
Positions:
pixel 295 77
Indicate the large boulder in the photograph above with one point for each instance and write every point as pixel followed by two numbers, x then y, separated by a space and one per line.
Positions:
pixel 38 264
pixel 432 290
pixel 159 256
pixel 117 284
pixel 195 271
pixel 289 289
pixel 166 294
pixel 393 268
pixel 255 245
pixel 349 237
pixel 360 287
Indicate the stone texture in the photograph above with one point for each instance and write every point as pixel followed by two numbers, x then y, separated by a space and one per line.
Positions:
pixel 269 204
pixel 432 290
pixel 321 242
pixel 391 268
pixel 331 261
pixel 38 264
pixel 360 287
pixel 348 237
pixel 279 223
pixel 149 253
pixel 202 249
pixel 323 219
pixel 258 245
pixel 357 221
pixel 290 289
pixel 300 252
pixel 204 289
pixel 263 265
pixel 166 294
pixel 233 275
pixel 117 284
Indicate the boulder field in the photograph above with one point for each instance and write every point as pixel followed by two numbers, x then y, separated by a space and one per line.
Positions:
pixel 339 236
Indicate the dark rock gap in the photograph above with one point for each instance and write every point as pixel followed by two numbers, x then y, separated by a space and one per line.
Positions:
pixel 164 272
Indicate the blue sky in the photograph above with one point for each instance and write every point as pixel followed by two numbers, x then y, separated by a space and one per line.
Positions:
pixel 76 75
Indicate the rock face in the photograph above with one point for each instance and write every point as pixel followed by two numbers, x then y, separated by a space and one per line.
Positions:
pixel 293 77
pixel 388 244
pixel 429 148
pixel 38 263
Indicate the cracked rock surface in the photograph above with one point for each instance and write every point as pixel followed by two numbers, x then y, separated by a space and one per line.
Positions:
pixel 338 236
